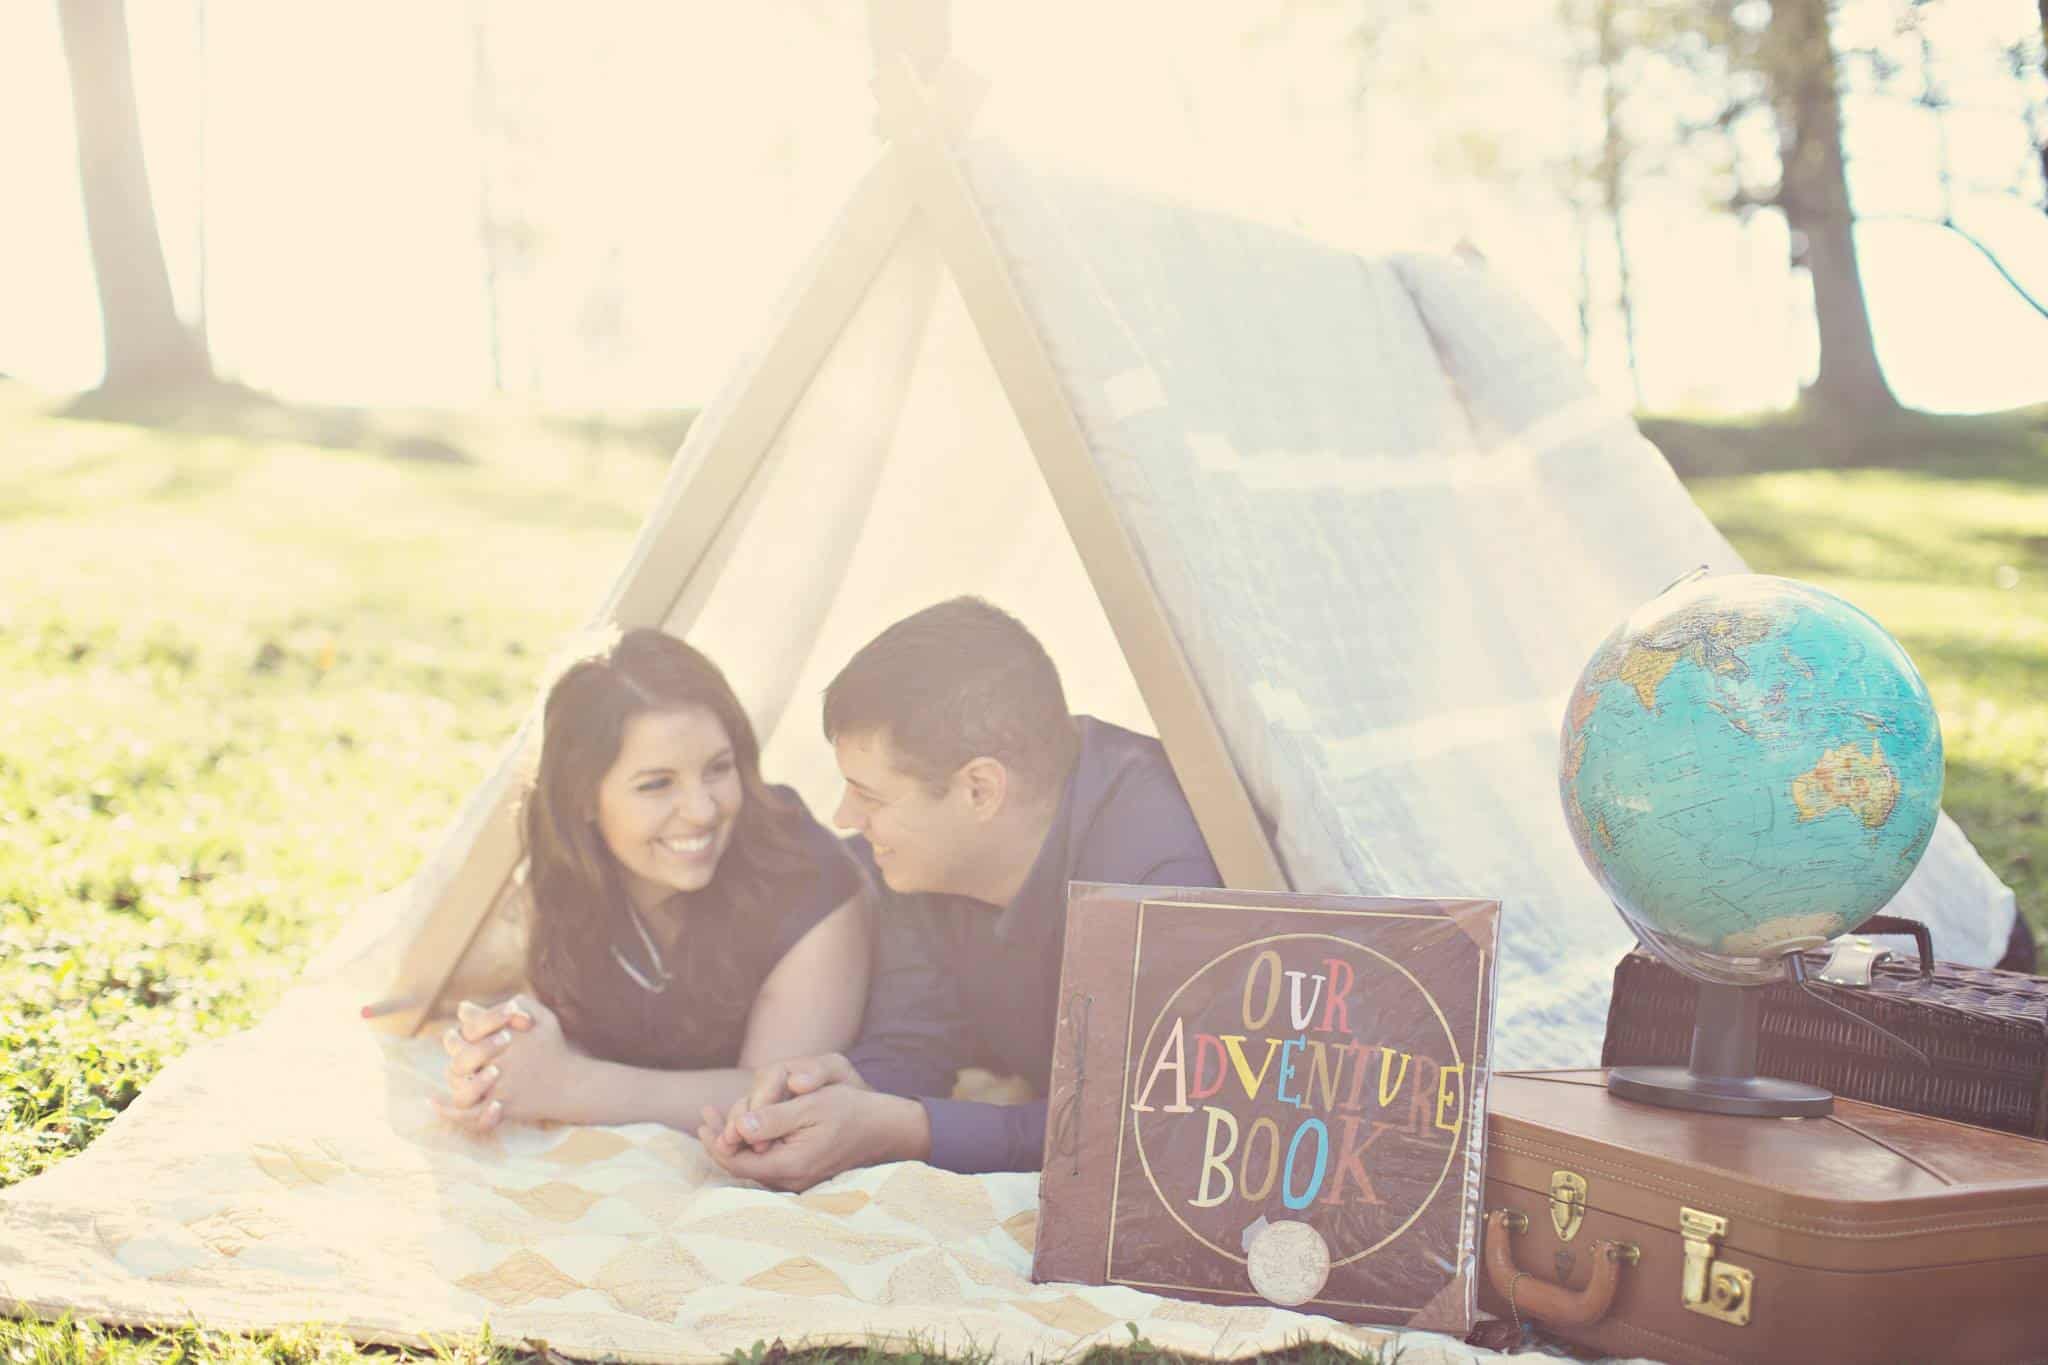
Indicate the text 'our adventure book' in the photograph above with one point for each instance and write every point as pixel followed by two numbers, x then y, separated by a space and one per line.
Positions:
pixel 1271 1098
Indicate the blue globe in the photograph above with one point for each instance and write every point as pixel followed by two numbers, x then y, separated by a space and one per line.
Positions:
pixel 1750 766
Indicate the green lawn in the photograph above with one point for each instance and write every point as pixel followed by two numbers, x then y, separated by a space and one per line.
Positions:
pixel 1950 553
pixel 250 662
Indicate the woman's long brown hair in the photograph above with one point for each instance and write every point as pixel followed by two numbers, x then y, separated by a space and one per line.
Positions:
pixel 580 904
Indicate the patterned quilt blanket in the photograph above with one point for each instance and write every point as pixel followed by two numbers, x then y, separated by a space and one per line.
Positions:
pixel 295 1173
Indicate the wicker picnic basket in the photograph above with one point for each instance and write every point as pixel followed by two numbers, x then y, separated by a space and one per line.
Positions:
pixel 1984 1032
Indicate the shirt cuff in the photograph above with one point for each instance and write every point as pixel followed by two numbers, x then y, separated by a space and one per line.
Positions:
pixel 975 1139
pixel 886 1071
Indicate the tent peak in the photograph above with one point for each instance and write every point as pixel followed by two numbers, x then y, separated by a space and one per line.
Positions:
pixel 919 86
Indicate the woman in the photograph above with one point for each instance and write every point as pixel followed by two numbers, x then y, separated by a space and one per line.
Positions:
pixel 689 921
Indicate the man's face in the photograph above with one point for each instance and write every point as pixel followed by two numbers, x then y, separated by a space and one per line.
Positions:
pixel 922 841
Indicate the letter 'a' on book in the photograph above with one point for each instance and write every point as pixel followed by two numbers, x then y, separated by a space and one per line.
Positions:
pixel 1269 1098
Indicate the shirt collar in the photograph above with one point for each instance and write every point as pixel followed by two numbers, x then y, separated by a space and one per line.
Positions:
pixel 1043 896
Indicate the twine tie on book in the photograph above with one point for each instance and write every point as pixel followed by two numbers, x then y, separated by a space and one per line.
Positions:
pixel 1066 1115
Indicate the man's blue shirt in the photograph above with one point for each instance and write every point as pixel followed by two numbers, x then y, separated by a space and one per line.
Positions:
pixel 964 983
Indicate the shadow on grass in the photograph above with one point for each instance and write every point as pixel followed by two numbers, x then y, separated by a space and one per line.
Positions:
pixel 1138 1352
pixel 2005 445
pixel 423 437
pixel 79 1341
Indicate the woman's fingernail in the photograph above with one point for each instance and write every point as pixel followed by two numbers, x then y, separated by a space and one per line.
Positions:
pixel 491 1073
pixel 496 1108
pixel 504 1037
pixel 752 1123
pixel 800 1078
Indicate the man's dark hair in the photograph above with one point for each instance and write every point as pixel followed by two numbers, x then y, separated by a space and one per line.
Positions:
pixel 957 681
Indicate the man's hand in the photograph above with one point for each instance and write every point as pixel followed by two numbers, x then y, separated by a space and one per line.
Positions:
pixel 773 1084
pixel 811 1137
pixel 507 1060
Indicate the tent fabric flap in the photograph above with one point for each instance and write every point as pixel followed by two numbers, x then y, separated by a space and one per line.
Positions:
pixel 1388 519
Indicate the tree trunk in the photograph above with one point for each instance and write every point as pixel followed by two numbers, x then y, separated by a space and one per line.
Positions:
pixel 147 347
pixel 2041 133
pixel 1614 153
pixel 1814 193
pixel 1583 230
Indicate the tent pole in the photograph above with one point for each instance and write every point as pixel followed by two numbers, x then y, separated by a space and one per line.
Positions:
pixel 723 450
pixel 1229 822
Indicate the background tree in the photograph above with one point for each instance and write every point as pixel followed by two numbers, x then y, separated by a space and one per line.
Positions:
pixel 2028 56
pixel 1935 100
pixel 147 347
pixel 1776 62
pixel 1797 59
pixel 1612 166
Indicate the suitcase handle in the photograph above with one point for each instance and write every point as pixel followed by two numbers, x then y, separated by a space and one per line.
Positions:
pixel 1899 924
pixel 1530 1296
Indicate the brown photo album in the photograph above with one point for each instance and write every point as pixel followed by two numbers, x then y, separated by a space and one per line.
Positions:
pixel 1271 1098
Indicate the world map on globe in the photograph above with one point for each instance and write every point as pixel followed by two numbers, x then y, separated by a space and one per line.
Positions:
pixel 1750 765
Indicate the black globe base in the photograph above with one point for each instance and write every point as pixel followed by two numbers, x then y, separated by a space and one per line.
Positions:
pixel 1678 1087
pixel 1722 1078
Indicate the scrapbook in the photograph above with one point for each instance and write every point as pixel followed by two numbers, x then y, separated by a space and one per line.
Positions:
pixel 1266 1097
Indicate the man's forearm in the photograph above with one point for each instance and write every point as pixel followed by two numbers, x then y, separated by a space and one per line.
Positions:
pixel 909 1130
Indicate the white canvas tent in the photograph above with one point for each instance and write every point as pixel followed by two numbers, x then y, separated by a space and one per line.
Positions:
pixel 1341 531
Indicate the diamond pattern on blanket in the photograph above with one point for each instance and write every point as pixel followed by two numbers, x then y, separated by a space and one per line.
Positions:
pixel 1209 1316
pixel 309 1164
pixel 924 1278
pixel 989 1275
pixel 841 1202
pixel 799 1275
pixel 585 1145
pixel 955 1207
pixel 340 1198
pixel 232 1231
pixel 651 1280
pixel 794 1230
pixel 1069 1313
pixel 555 1201
pixel 519 1279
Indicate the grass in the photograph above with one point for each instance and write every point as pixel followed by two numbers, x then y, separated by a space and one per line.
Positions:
pixel 1946 543
pixel 245 679
pixel 251 657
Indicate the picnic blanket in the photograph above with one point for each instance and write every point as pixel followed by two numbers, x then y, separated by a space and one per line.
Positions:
pixel 295 1173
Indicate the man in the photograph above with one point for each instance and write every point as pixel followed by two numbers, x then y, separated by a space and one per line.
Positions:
pixel 975 797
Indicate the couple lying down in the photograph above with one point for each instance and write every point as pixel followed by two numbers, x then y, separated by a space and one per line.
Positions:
pixel 704 953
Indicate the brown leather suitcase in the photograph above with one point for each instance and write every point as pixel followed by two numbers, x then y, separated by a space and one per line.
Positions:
pixel 1871 1235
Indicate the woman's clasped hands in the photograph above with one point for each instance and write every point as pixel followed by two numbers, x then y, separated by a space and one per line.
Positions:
pixel 505 1061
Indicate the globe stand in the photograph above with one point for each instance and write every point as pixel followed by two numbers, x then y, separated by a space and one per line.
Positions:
pixel 1721 1078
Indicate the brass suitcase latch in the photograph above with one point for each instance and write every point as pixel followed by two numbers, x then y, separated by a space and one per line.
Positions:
pixel 1712 1287
pixel 1567 1203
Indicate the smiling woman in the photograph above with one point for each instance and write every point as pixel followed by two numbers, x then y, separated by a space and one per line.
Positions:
pixel 688 919
pixel 667 806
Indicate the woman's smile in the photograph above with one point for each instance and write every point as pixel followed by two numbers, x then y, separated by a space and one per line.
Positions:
pixel 667 806
pixel 692 847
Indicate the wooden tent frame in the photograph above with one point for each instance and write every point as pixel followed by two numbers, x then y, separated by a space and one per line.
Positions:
pixel 680 549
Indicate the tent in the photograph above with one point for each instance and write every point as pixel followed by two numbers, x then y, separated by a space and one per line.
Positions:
pixel 1341 531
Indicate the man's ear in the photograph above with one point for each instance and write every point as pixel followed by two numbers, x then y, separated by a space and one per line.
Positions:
pixel 987 783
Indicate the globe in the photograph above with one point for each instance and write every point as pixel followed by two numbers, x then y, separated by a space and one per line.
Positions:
pixel 1750 766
